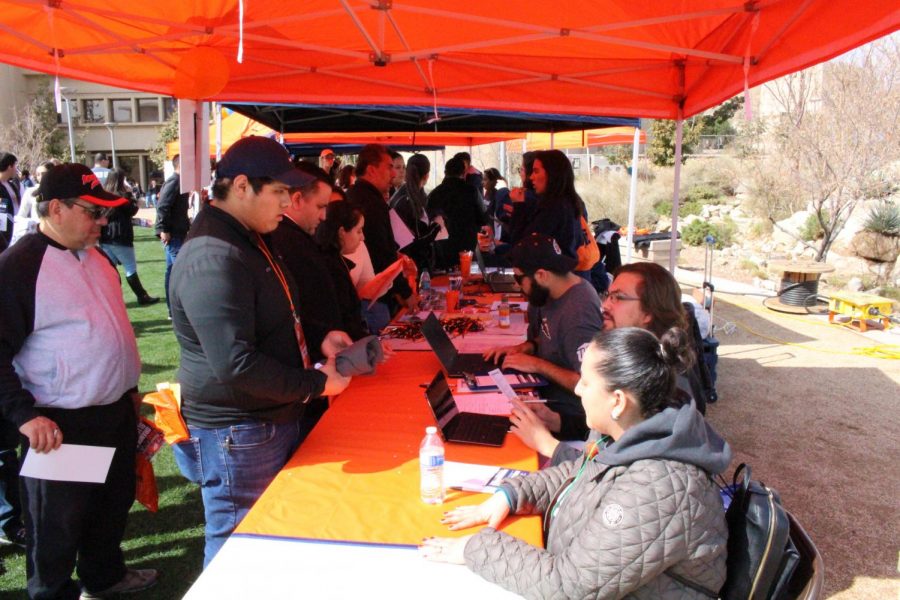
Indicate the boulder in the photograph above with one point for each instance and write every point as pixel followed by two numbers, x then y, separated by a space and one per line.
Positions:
pixel 787 231
pixel 855 284
pixel 876 246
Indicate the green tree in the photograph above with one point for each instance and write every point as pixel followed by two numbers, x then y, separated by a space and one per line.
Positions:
pixel 167 133
pixel 718 122
pixel 661 149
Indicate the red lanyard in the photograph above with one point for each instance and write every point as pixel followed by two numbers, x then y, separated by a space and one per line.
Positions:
pixel 279 274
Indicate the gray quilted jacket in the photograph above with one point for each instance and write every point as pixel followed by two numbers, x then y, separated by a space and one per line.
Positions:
pixel 642 517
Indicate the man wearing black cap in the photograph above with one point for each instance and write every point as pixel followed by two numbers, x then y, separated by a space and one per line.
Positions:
pixel 245 372
pixel 69 368
pixel 563 315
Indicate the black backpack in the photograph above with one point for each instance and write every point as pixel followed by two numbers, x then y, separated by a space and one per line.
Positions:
pixel 761 556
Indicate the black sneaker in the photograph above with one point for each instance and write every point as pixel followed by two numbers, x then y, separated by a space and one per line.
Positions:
pixel 135 580
pixel 17 538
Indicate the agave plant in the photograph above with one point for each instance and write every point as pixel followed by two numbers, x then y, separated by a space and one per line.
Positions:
pixel 884 218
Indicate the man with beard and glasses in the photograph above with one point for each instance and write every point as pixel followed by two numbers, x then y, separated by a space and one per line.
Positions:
pixel 563 316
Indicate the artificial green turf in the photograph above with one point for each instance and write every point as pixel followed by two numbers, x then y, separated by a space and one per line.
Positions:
pixel 170 540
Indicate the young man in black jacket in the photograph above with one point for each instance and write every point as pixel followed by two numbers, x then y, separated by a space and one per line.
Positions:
pixel 245 371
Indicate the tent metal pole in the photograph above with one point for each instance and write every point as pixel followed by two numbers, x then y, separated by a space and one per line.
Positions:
pixel 503 165
pixel 632 198
pixel 216 107
pixel 673 240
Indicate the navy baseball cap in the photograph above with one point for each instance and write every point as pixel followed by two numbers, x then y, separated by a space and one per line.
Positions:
pixel 74 180
pixel 258 156
pixel 539 251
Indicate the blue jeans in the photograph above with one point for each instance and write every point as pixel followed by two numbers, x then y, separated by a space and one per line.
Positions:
pixel 233 466
pixel 123 255
pixel 172 249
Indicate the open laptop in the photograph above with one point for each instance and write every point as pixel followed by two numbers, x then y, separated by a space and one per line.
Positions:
pixel 462 427
pixel 456 364
pixel 499 283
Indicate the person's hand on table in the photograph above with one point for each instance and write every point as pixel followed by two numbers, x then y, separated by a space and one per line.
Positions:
pixel 497 353
pixel 521 361
pixel 492 511
pixel 386 349
pixel 334 342
pixel 336 383
pixel 42 433
pixel 448 550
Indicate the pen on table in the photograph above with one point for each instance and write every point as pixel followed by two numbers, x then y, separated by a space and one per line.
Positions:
pixel 534 401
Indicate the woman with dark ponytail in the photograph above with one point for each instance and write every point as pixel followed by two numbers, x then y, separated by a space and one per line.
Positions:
pixel 637 515
pixel 409 203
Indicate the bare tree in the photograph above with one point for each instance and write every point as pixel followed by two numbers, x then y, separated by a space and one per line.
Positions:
pixel 33 135
pixel 834 138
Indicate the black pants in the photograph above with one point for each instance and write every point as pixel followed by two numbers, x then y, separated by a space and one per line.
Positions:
pixel 10 505
pixel 80 525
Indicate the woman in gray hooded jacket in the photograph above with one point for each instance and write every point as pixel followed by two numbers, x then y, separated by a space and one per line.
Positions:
pixel 638 516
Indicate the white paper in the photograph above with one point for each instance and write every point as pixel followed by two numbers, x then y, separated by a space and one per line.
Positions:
pixel 476 478
pixel 70 462
pixel 502 384
pixel 402 235
pixel 491 403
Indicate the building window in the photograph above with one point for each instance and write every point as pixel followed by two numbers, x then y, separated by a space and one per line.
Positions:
pixel 121 111
pixel 170 107
pixel 148 110
pixel 94 111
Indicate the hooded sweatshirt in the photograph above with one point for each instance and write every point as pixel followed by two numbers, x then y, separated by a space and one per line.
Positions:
pixel 634 520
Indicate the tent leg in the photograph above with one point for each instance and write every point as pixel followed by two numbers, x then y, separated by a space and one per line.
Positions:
pixel 632 198
pixel 673 244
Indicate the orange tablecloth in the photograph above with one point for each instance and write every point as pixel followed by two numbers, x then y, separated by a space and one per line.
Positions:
pixel 356 477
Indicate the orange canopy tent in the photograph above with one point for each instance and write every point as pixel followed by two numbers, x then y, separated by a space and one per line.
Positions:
pixel 662 59
pixel 666 59
pixel 232 127
pixel 587 138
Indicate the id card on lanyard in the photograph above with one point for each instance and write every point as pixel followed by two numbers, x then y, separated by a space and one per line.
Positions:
pixel 279 274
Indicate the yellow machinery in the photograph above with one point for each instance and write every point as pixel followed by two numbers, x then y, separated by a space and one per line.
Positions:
pixel 860 307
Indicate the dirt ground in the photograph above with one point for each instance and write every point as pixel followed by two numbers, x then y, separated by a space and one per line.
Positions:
pixel 818 422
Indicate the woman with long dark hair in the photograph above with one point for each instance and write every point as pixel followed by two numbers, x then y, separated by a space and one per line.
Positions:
pixel 341 233
pixel 559 208
pixel 117 236
pixel 409 202
pixel 638 515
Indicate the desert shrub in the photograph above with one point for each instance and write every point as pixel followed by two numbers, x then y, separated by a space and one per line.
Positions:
pixel 884 218
pixel 694 234
pixel 702 194
pixel 812 229
pixel 759 229
pixel 721 173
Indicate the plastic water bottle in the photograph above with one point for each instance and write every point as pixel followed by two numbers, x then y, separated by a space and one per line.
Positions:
pixel 425 283
pixel 503 312
pixel 431 467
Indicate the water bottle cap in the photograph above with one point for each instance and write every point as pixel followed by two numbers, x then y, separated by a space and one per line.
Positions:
pixel 431 430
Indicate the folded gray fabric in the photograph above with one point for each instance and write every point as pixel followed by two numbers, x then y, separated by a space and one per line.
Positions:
pixel 360 358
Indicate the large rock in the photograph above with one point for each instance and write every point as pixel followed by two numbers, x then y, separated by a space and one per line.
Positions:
pixel 876 246
pixel 787 231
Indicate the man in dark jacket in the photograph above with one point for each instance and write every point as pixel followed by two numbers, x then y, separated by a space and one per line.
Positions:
pixel 461 209
pixel 172 223
pixel 10 196
pixel 374 171
pixel 245 372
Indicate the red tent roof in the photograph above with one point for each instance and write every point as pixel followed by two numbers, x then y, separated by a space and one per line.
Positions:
pixel 615 57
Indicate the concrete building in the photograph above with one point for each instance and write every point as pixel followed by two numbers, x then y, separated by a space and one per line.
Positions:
pixel 103 117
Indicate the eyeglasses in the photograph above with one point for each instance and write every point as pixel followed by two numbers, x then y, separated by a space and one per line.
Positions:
pixel 615 297
pixel 93 211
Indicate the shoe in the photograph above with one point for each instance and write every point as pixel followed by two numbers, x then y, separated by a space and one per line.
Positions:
pixel 135 580
pixel 17 538
pixel 143 298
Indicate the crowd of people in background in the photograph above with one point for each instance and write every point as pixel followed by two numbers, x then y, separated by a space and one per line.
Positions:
pixel 267 283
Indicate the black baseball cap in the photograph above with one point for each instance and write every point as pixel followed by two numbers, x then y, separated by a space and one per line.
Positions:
pixel 258 156
pixel 74 180
pixel 539 251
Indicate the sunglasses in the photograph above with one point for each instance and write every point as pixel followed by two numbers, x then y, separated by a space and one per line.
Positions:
pixel 93 211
